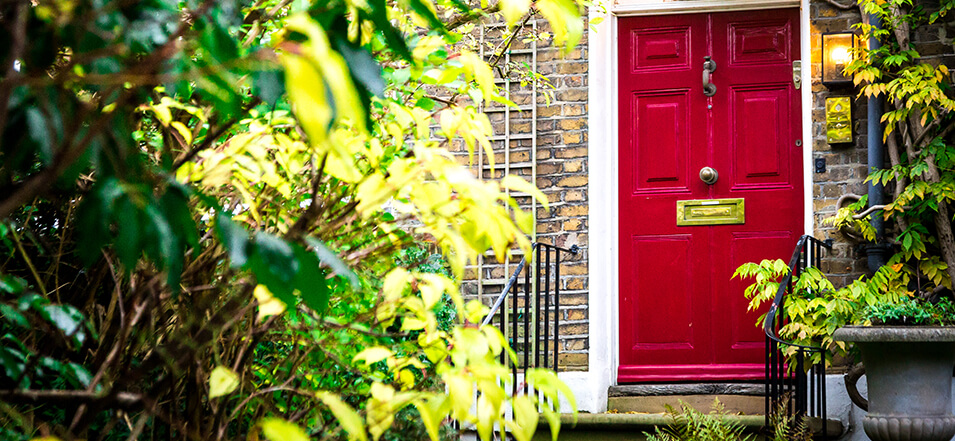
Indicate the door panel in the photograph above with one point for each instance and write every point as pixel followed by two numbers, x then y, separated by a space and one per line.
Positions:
pixel 760 119
pixel 681 316
pixel 661 48
pixel 741 339
pixel 662 145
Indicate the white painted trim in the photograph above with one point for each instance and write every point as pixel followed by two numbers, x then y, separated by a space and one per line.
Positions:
pixel 805 49
pixel 591 387
pixel 602 194
pixel 643 7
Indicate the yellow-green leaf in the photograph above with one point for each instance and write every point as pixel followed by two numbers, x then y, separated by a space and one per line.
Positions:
pixel 513 10
pixel 346 416
pixel 525 418
pixel 516 183
pixel 432 412
pixel 564 20
pixel 222 381
pixel 373 355
pixel 277 429
pixel 268 304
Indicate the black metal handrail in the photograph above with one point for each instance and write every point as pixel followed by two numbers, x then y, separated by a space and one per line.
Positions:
pixel 534 294
pixel 802 393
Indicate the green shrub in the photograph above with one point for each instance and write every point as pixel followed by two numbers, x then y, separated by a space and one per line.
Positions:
pixel 912 312
pixel 690 424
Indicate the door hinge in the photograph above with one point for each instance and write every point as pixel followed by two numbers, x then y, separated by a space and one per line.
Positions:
pixel 797 73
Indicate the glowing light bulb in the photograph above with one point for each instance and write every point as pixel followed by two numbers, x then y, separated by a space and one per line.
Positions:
pixel 840 55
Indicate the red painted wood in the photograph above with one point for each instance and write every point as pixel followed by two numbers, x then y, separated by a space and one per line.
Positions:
pixel 681 316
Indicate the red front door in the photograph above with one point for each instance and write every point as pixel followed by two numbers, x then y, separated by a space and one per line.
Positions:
pixel 681 317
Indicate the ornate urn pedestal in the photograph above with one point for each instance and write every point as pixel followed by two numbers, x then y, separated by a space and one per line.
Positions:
pixel 909 377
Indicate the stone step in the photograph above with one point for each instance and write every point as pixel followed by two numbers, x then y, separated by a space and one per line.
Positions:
pixel 732 404
pixel 737 398
pixel 613 427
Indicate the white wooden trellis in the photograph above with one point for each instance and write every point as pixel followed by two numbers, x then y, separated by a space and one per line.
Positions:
pixel 488 289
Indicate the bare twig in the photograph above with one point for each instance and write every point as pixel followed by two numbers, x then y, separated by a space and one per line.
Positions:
pixel 117 400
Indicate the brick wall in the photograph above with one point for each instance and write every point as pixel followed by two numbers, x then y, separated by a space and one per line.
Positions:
pixel 561 171
pixel 845 164
pixel 562 176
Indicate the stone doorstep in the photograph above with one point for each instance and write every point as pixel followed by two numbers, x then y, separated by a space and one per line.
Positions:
pixel 637 390
pixel 737 398
pixel 747 405
pixel 608 426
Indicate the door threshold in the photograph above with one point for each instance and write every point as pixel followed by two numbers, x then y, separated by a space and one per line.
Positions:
pixel 644 390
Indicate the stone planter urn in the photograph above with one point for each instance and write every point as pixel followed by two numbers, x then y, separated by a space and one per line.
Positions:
pixel 908 371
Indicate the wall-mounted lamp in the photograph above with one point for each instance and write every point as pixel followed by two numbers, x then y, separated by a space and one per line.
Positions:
pixel 838 120
pixel 837 49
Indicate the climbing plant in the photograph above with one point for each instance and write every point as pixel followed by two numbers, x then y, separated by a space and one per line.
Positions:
pixel 919 178
pixel 207 209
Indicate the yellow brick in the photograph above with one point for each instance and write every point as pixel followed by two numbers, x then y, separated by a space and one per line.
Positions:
pixel 573 124
pixel 572 181
pixel 547 169
pixel 576 345
pixel 571 137
pixel 568 361
pixel 572 225
pixel 572 166
pixel 548 111
pixel 578 329
pixel 573 109
pixel 573 270
pixel 573 196
pixel 574 284
pixel 573 210
pixel 572 95
pixel 576 152
pixel 572 68
pixel 577 314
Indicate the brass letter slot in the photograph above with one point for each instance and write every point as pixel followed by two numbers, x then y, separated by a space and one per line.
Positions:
pixel 710 212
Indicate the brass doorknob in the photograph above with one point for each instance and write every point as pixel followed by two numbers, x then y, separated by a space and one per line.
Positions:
pixel 709 175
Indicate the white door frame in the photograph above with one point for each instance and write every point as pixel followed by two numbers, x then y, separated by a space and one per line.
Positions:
pixel 591 386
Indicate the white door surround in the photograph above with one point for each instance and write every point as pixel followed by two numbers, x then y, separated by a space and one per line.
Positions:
pixel 591 387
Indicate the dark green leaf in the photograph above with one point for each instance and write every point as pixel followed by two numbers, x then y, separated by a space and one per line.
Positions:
pixel 13 362
pixel 31 300
pixel 396 42
pixel 93 218
pixel 41 134
pixel 12 284
pixel 363 67
pixel 169 245
pixel 129 238
pixel 175 203
pixel 66 318
pixel 79 372
pixel 425 12
pixel 218 44
pixel 331 259
pixel 234 238
pixel 13 316
pixel 269 85
pixel 274 265
pixel 310 280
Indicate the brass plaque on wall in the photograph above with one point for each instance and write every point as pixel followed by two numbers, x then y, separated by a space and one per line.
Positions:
pixel 710 212
pixel 838 120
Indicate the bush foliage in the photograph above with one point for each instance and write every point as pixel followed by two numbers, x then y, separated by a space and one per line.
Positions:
pixel 210 214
